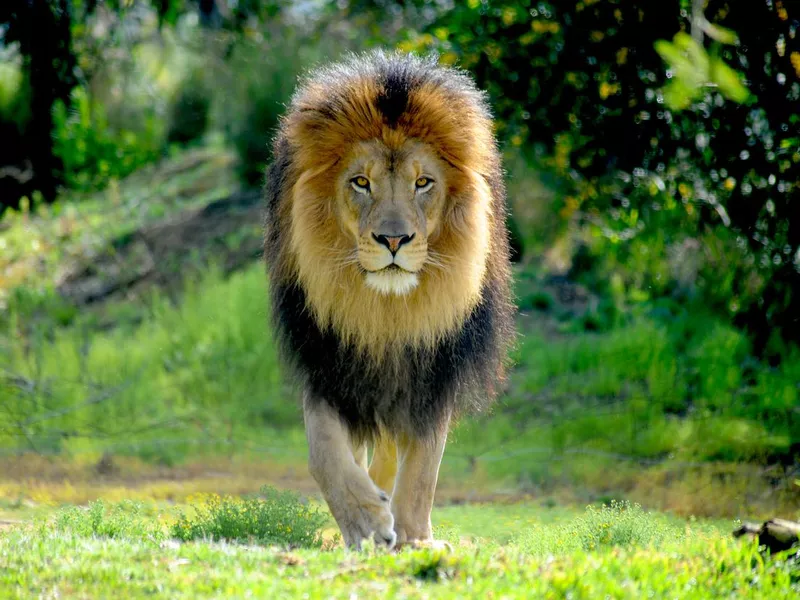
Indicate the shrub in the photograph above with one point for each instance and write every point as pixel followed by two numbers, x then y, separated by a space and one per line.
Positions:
pixel 92 152
pixel 122 520
pixel 189 111
pixel 278 517
pixel 617 524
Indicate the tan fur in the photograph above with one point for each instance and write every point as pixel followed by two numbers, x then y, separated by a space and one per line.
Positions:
pixel 383 467
pixel 359 507
pixel 418 464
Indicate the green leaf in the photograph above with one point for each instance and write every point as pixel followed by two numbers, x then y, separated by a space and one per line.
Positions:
pixel 682 67
pixel 729 81
pixel 697 54
pixel 671 54
pixel 678 95
pixel 721 34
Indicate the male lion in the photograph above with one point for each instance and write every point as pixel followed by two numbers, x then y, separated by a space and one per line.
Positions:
pixel 389 267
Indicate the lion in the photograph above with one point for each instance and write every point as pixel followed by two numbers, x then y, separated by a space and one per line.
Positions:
pixel 388 261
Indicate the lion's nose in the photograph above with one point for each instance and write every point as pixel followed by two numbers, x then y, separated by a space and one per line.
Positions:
pixel 393 242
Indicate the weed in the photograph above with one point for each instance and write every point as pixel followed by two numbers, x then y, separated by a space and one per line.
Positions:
pixel 433 565
pixel 276 518
pixel 126 519
pixel 618 524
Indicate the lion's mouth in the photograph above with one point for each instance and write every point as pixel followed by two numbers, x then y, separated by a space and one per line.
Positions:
pixel 392 268
pixel 392 280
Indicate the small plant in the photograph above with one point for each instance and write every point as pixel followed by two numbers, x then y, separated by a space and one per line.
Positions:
pixel 619 523
pixel 613 525
pixel 124 520
pixel 275 518
pixel 434 566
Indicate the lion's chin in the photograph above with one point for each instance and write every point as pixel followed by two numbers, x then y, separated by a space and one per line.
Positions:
pixel 392 281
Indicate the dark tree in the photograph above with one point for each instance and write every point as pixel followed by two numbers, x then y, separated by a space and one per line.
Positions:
pixel 582 82
pixel 42 28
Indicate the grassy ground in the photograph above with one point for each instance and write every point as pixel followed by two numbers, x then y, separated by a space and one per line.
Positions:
pixel 659 413
pixel 37 246
pixel 499 551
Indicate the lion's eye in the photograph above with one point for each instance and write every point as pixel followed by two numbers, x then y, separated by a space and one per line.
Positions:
pixel 423 184
pixel 360 184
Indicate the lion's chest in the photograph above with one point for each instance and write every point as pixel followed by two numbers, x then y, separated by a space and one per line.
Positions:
pixel 413 387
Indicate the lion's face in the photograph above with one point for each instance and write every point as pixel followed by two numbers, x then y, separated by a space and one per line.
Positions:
pixel 391 202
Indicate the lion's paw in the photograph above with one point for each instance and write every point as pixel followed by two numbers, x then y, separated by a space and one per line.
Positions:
pixel 429 544
pixel 364 515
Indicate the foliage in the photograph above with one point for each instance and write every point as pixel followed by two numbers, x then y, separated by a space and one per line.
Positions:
pixel 693 70
pixel 14 95
pixel 261 73
pixel 276 518
pixel 574 83
pixel 268 74
pixel 205 371
pixel 189 111
pixel 639 372
pixel 617 524
pixel 90 152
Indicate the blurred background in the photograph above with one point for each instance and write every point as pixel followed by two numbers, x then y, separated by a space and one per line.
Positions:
pixel 652 152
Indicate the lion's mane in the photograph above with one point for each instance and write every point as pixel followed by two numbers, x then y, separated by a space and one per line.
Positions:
pixel 389 363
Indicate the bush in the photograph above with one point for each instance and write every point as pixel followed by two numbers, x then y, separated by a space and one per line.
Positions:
pixel 276 518
pixel 618 524
pixel 265 77
pixel 189 111
pixel 92 152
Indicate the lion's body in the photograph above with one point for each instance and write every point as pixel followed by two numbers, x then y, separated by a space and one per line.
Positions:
pixel 399 363
pixel 387 353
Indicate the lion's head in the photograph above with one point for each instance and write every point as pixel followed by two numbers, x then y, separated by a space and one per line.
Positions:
pixel 387 200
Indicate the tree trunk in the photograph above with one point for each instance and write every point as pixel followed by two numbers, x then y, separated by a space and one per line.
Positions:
pixel 43 30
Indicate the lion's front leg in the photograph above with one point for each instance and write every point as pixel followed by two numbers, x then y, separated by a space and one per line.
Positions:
pixel 412 501
pixel 361 509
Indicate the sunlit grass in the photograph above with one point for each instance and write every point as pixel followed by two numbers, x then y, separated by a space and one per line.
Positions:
pixel 520 551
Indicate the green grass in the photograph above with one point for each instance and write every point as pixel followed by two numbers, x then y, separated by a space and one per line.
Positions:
pixel 201 371
pixel 615 551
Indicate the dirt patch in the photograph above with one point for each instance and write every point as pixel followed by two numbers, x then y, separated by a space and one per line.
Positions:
pixel 226 232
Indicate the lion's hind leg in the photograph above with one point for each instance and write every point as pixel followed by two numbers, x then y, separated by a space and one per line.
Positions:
pixel 383 467
pixel 360 508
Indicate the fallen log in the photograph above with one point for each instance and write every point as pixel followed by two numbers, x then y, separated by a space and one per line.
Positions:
pixel 776 534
